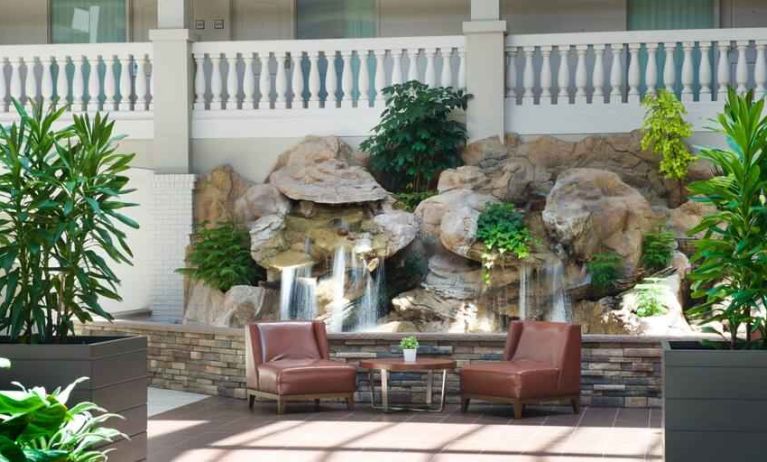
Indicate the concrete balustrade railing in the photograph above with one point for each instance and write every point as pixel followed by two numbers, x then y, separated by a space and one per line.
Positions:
pixel 319 74
pixel 84 77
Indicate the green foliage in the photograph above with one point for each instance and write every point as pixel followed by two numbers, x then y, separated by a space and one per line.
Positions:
pixel 409 200
pixel 605 269
pixel 220 257
pixel 650 297
pixel 502 230
pixel 36 426
pixel 658 250
pixel 409 343
pixel 60 222
pixel 730 270
pixel 415 139
pixel 665 131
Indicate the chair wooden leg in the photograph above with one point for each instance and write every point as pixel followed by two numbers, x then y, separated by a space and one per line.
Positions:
pixel 519 408
pixel 251 401
pixel 576 403
pixel 280 406
pixel 350 402
pixel 465 404
pixel 316 404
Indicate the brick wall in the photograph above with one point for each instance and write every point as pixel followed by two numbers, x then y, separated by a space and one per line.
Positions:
pixel 616 371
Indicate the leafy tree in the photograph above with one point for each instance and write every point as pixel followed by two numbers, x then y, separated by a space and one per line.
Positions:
pixel 665 131
pixel 416 139
pixel 730 271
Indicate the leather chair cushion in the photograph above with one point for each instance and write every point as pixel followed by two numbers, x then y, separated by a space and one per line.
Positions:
pixel 522 379
pixel 288 340
pixel 306 377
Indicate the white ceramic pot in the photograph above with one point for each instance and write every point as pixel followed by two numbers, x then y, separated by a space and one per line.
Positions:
pixel 409 355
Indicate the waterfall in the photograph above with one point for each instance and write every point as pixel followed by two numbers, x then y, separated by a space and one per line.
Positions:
pixel 523 277
pixel 297 292
pixel 368 309
pixel 554 277
pixel 287 280
pixel 338 278
pixel 306 297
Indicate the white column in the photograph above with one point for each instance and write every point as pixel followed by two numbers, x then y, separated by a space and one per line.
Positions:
pixel 704 72
pixel 331 81
pixel 563 75
pixel 215 82
pixel 364 82
pixel 30 83
pixel 598 75
pixel 347 82
pixel 110 88
pixel 264 82
pixel 412 67
pixel 62 84
pixel 141 83
pixel 430 77
pixel 93 83
pixel 281 82
pixel 231 82
pixel 511 74
pixel 760 72
pixel 687 72
pixel 616 95
pixel 380 79
pixel 669 69
pixel 46 83
pixel 651 72
pixel 741 69
pixel 248 83
pixel 723 70
pixel 297 81
pixel 528 77
pixel 633 73
pixel 78 88
pixel 314 80
pixel 199 82
pixel 546 75
pixel 581 77
pixel 396 69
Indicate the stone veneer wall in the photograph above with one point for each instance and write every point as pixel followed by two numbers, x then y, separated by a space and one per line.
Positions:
pixel 617 371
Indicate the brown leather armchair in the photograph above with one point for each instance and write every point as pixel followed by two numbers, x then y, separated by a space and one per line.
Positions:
pixel 542 362
pixel 289 361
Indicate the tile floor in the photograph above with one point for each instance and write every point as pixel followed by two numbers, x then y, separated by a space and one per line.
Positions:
pixel 224 430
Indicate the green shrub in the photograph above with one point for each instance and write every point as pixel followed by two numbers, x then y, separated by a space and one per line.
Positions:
pixel 502 230
pixel 730 261
pixel 416 139
pixel 606 269
pixel 650 297
pixel 409 200
pixel 665 131
pixel 220 257
pixel 658 250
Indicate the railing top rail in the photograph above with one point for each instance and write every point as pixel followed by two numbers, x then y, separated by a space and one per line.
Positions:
pixel 644 36
pixel 76 49
pixel 379 43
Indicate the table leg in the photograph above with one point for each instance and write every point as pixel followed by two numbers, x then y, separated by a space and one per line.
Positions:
pixel 385 390
pixel 372 389
pixel 429 381
pixel 442 397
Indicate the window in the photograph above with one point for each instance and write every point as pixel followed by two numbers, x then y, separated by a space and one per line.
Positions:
pixel 88 21
pixel 320 19
pixel 671 14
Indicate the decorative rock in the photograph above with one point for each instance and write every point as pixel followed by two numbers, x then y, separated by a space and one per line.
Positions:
pixel 400 228
pixel 466 177
pixel 203 304
pixel 451 217
pixel 672 322
pixel 430 312
pixel 245 304
pixel 591 210
pixel 265 237
pixel 216 193
pixel 258 201
pixel 687 216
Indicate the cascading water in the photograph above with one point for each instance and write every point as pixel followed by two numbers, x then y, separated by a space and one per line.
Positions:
pixel 524 271
pixel 543 292
pixel 368 310
pixel 298 298
pixel 338 301
pixel 560 303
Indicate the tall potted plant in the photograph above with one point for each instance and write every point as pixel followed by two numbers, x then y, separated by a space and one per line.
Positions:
pixel 61 224
pixel 714 392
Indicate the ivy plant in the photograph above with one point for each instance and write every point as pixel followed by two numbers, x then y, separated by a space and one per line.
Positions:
pixel 502 230
pixel 220 257
pixel 416 138
pixel 605 268
pixel 658 250
pixel 665 131
pixel 649 294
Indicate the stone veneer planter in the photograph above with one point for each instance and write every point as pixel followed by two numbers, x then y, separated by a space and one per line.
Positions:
pixel 117 370
pixel 715 402
pixel 620 371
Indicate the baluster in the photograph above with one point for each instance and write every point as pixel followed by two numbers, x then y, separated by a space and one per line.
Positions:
pixel 264 82
pixel 281 82
pixel 248 82
pixel 110 88
pixel 314 80
pixel 723 69
pixel 141 85
pixel 704 74
pixel 215 83
pixel 150 72
pixel 669 69
pixel 616 95
pixel 347 82
pixel 687 72
pixel 511 74
pixel 297 82
pixel 15 91
pixel 231 82
pixel 331 81
pixel 430 76
pixel 62 84
pixel 78 84
pixel 528 77
pixel 30 86
pixel 46 82
pixel 651 72
pixel 199 81
pixel 396 70
pixel 598 76
pixel 2 85
pixel 581 76
pixel 446 79
pixel 462 69
pixel 546 75
pixel 760 73
pixel 380 81
pixel 125 83
pixel 563 75
pixel 412 68
pixel 633 73
pixel 741 69
pixel 364 82
pixel 93 83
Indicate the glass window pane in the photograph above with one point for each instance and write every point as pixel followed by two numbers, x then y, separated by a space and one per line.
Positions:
pixel 88 21
pixel 318 19
pixel 670 14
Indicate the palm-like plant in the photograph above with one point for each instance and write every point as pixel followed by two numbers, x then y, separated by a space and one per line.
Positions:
pixel 60 221
pixel 731 271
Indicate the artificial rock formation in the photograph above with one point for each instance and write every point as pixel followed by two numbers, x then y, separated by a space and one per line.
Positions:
pixel 238 307
pixel 216 193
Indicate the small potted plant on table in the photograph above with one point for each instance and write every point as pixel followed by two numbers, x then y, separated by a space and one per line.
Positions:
pixel 409 347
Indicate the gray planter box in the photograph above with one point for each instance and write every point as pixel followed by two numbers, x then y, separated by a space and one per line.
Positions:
pixel 714 403
pixel 117 368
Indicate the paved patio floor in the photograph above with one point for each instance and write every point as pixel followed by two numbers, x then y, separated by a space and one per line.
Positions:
pixel 222 430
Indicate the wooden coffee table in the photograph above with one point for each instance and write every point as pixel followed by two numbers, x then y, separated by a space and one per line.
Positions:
pixel 427 365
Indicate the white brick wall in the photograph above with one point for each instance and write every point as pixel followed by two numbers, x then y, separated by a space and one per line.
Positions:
pixel 172 211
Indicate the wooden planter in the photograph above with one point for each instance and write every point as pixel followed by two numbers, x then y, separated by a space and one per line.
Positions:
pixel 714 403
pixel 117 368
